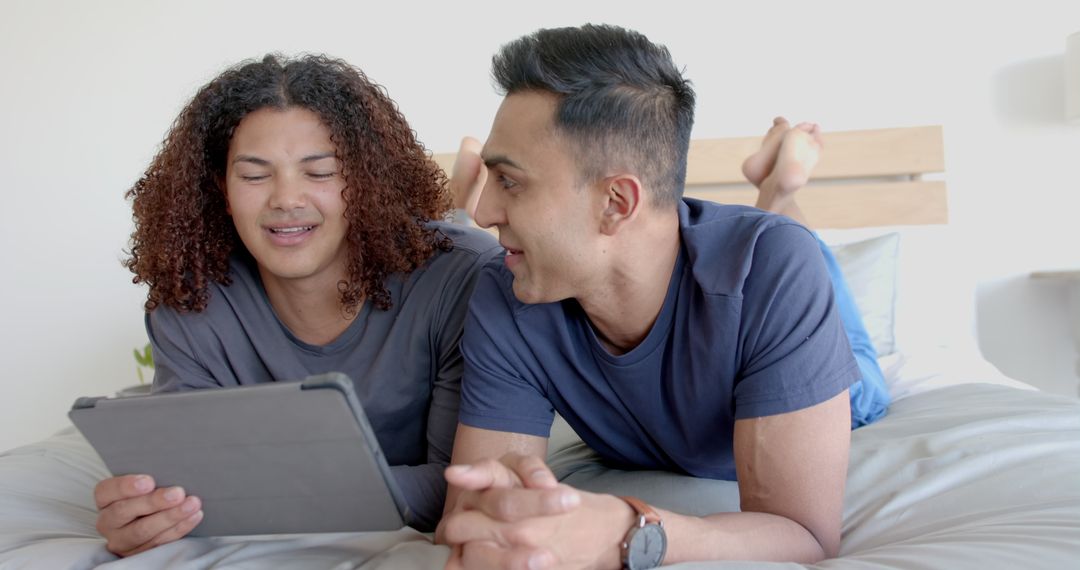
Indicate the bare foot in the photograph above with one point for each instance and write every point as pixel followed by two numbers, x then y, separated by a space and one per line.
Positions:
pixel 758 165
pixel 798 155
pixel 468 175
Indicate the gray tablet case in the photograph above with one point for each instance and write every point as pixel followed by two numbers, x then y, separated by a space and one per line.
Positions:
pixel 283 457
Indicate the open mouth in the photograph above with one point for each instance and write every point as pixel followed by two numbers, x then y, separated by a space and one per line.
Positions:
pixel 291 231
pixel 513 257
pixel 289 236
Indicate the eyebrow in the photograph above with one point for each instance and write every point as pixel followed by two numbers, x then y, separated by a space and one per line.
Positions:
pixel 251 159
pixel 320 156
pixel 263 162
pixel 499 160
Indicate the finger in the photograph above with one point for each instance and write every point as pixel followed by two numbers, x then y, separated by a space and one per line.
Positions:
pixel 483 475
pixel 176 532
pixel 489 555
pixel 468 526
pixel 113 489
pixel 145 529
pixel 511 505
pixel 532 471
pixel 454 561
pixel 121 513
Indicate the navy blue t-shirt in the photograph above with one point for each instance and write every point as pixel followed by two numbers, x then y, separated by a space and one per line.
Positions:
pixel 749 328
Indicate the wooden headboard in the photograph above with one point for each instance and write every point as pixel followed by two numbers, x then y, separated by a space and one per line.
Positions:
pixel 865 178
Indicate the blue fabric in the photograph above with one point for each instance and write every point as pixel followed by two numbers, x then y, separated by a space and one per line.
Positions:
pixel 749 328
pixel 869 397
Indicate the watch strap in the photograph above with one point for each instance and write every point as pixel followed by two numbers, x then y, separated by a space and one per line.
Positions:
pixel 648 522
pixel 646 512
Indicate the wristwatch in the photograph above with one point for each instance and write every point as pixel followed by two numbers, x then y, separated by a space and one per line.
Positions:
pixel 646 542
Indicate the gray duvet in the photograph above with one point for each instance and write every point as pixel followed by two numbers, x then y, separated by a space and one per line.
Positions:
pixel 968 476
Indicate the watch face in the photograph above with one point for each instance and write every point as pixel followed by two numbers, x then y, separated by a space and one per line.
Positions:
pixel 646 548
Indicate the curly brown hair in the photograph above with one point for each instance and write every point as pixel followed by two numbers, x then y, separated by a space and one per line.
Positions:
pixel 183 235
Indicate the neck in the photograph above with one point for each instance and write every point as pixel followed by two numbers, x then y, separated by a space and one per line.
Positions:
pixel 311 310
pixel 630 296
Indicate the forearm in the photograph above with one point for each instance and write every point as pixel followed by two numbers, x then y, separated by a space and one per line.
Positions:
pixel 425 491
pixel 739 536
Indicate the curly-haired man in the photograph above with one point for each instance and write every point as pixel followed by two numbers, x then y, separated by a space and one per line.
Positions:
pixel 290 226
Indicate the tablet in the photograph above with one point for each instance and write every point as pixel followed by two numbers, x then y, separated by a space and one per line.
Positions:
pixel 281 457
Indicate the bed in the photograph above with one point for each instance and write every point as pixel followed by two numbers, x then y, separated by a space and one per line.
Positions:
pixel 969 469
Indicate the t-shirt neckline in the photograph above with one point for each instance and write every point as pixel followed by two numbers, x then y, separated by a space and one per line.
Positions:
pixel 657 334
pixel 344 339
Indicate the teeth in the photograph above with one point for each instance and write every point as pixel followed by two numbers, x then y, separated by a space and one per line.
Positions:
pixel 291 230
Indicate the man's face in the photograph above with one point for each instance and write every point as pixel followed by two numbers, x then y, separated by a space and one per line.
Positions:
pixel 547 218
pixel 283 185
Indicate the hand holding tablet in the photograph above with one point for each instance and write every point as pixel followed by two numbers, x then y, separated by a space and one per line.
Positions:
pixel 275 458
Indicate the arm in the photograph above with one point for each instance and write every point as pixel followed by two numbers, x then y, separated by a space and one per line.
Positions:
pixel 502 414
pixel 792 470
pixel 424 485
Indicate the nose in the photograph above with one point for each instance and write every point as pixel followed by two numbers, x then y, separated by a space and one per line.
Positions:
pixel 489 208
pixel 288 193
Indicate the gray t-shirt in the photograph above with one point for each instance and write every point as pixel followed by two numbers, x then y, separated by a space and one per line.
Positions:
pixel 405 361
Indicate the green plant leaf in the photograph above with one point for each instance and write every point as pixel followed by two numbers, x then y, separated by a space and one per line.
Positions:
pixel 145 358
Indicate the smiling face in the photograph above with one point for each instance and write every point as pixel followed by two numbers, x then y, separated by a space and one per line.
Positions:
pixel 546 216
pixel 283 186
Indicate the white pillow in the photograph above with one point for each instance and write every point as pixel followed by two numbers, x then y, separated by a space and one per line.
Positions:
pixel 869 266
pixel 935 292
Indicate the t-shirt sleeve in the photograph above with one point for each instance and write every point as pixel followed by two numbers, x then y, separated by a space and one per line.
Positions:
pixel 424 485
pixel 176 364
pixel 500 392
pixel 794 350
pixel 448 326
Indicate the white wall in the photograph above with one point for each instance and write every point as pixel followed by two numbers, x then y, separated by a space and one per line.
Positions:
pixel 90 88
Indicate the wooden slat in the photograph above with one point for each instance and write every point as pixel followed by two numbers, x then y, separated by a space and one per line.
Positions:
pixel 868 170
pixel 882 152
pixel 719 161
pixel 445 160
pixel 1062 275
pixel 854 205
pixel 848 154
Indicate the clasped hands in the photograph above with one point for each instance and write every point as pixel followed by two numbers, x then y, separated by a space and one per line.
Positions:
pixel 513 513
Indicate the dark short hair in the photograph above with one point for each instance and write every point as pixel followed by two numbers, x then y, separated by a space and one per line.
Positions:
pixel 622 100
pixel 184 236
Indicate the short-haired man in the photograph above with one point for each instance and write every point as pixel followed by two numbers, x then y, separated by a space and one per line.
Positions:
pixel 672 334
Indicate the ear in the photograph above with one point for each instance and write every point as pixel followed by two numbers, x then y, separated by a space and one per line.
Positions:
pixel 623 196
